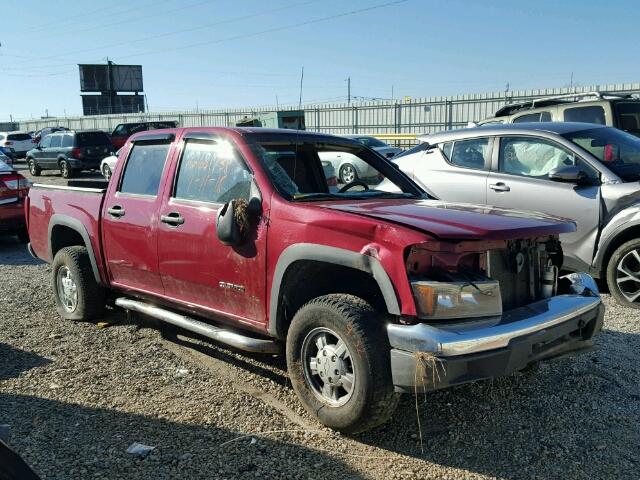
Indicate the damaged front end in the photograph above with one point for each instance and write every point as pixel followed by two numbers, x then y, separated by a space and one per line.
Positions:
pixel 489 310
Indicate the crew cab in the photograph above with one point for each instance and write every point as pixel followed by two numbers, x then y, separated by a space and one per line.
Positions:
pixel 236 234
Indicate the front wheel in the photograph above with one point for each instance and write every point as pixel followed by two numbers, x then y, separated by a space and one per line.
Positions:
pixel 338 361
pixel 78 296
pixel 623 274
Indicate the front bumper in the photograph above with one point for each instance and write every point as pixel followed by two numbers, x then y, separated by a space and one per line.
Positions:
pixel 430 357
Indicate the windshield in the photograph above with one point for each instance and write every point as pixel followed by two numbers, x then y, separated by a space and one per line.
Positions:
pixel 371 142
pixel 320 170
pixel 3 166
pixel 618 150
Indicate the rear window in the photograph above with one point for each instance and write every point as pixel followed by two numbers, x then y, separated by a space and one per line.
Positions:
pixel 19 137
pixel 88 139
pixel 629 116
pixel 593 114
pixel 534 117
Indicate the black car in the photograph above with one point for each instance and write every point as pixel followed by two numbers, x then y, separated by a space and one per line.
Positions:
pixel 70 151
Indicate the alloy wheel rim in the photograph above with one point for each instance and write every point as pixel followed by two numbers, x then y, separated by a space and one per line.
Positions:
pixel 328 368
pixel 348 174
pixel 628 276
pixel 67 289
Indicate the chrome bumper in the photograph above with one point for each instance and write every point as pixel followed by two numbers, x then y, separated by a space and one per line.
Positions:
pixel 540 330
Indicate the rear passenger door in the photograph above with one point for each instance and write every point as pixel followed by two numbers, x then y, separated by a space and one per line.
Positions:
pixel 456 171
pixel 130 216
pixel 196 269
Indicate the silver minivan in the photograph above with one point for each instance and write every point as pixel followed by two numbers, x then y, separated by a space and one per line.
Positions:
pixel 586 172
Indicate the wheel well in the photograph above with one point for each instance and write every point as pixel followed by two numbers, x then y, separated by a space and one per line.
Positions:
pixel 308 279
pixel 623 237
pixel 63 236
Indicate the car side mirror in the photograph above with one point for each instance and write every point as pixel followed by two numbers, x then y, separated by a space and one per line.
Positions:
pixel 569 174
pixel 227 227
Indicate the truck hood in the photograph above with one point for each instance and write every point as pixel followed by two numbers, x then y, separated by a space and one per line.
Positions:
pixel 457 221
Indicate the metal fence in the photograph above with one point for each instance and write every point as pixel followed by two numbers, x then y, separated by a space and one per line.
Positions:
pixel 411 116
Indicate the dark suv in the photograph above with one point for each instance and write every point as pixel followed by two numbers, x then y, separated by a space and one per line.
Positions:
pixel 70 151
pixel 123 131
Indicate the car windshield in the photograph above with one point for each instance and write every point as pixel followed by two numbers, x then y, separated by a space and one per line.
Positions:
pixel 618 150
pixel 371 142
pixel 3 166
pixel 309 169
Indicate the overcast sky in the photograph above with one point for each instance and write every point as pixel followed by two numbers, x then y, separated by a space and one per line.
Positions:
pixel 223 53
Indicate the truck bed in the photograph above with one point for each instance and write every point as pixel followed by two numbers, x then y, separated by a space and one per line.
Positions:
pixel 51 206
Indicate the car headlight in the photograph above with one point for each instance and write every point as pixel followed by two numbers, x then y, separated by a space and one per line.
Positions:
pixel 445 300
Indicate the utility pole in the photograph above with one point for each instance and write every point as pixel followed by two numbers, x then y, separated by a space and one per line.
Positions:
pixel 111 93
pixel 571 82
pixel 349 90
pixel 391 92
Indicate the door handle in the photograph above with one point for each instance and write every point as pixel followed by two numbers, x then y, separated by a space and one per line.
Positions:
pixel 173 218
pixel 500 187
pixel 116 211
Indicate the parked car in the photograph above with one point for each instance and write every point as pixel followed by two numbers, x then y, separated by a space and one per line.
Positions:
pixel 235 234
pixel 379 146
pixel 18 142
pixel 69 151
pixel 40 134
pixel 123 131
pixel 6 155
pixel 13 192
pixel 602 108
pixel 350 167
pixel 108 165
pixel 585 172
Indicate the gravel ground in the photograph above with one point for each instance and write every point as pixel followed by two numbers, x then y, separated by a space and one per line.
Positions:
pixel 76 396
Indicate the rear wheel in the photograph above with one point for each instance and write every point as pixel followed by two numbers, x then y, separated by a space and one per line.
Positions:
pixel 34 169
pixel 338 361
pixel 65 169
pixel 348 173
pixel 78 296
pixel 106 171
pixel 623 274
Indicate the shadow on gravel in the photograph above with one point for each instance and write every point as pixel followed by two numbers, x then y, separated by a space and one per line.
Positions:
pixel 64 440
pixel 13 361
pixel 15 253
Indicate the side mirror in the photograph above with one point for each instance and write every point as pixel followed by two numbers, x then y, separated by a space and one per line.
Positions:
pixel 569 174
pixel 227 227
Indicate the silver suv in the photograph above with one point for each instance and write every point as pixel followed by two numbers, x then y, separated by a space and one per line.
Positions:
pixel 603 108
pixel 585 172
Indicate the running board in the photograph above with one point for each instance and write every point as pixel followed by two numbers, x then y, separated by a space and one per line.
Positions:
pixel 248 344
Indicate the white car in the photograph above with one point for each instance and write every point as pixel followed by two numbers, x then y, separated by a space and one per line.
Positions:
pixel 108 165
pixel 20 142
pixel 349 167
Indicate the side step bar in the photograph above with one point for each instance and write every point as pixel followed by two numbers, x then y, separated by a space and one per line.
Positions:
pixel 248 344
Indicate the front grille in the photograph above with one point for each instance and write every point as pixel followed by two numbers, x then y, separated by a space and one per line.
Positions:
pixel 517 269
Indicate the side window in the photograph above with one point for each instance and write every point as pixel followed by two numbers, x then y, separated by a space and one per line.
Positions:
pixel 470 153
pixel 585 115
pixel 212 172
pixel 533 157
pixel 143 170
pixel 67 141
pixel 446 149
pixel 534 117
pixel 120 130
pixel 46 142
pixel 56 141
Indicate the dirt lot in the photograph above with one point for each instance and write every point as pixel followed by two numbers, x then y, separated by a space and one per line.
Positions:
pixel 76 396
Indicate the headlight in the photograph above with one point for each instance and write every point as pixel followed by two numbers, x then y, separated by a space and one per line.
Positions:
pixel 444 300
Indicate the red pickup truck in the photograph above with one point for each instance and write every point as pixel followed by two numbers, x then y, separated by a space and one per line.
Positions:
pixel 235 234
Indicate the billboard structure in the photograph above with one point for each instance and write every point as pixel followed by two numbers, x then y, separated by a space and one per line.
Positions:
pixel 109 80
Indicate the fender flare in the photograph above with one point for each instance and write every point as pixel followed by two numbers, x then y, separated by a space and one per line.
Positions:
pixel 75 225
pixel 605 243
pixel 332 255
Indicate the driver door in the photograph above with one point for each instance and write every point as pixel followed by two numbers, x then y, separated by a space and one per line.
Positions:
pixel 520 180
